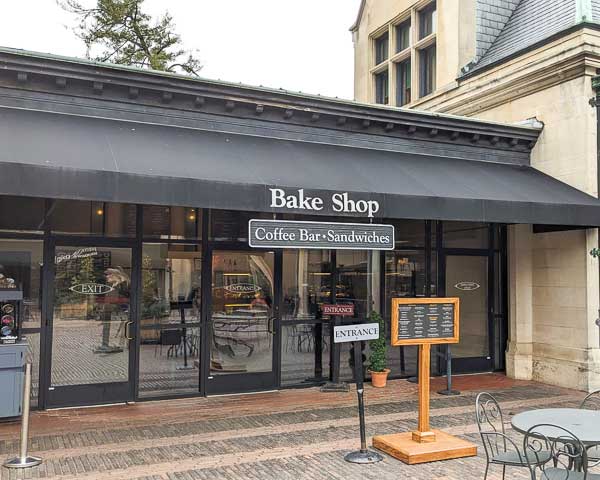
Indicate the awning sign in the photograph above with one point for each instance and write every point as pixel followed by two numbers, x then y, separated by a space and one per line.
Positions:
pixel 320 235
pixel 355 333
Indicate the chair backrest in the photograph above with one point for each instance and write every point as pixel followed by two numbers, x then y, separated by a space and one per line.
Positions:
pixel 592 401
pixel 489 413
pixel 491 424
pixel 550 446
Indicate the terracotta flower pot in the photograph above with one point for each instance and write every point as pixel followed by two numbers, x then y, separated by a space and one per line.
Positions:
pixel 379 379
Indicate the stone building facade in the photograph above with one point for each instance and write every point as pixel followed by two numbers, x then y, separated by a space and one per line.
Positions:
pixel 524 62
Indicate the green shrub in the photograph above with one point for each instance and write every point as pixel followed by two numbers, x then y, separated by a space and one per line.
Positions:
pixel 377 358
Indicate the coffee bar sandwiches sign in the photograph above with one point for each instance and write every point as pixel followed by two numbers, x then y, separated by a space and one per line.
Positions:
pixel 320 235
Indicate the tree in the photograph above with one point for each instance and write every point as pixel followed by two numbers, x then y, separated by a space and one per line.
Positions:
pixel 117 31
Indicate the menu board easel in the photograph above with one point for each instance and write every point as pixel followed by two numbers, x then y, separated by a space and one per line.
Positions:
pixel 424 322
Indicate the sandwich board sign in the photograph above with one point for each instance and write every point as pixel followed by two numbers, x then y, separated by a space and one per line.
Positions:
pixel 424 322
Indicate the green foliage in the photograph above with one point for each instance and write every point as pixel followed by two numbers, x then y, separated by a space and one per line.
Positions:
pixel 377 358
pixel 595 252
pixel 121 33
pixel 152 305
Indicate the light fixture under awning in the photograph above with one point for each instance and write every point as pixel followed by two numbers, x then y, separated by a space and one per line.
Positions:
pixel 62 156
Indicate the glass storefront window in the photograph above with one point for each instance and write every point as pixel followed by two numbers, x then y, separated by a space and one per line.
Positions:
pixel 408 233
pixel 242 312
pixel 405 274
pixel 172 223
pixel 466 235
pixel 21 269
pixel 92 292
pixel 33 357
pixel 22 214
pixel 232 226
pixel 307 278
pixel 170 319
pixel 92 218
pixel 467 279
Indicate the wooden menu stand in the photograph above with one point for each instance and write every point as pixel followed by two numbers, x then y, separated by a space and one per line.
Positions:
pixel 423 445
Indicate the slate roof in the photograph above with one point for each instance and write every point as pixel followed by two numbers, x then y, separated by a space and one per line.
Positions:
pixel 531 22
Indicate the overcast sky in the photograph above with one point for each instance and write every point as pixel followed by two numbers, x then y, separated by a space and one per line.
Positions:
pixel 300 45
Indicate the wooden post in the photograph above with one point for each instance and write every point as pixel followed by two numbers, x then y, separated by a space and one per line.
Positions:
pixel 424 433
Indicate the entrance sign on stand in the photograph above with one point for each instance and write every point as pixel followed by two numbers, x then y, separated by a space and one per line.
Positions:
pixel 423 322
pixel 357 334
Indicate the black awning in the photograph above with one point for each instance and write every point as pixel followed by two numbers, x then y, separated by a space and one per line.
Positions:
pixel 62 156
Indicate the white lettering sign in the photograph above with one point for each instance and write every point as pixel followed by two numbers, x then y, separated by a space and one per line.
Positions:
pixel 81 253
pixel 242 288
pixel 340 202
pixel 91 289
pixel 355 333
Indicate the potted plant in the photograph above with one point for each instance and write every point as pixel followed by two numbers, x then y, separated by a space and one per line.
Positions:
pixel 377 358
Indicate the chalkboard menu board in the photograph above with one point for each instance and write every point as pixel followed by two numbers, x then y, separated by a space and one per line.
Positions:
pixel 417 321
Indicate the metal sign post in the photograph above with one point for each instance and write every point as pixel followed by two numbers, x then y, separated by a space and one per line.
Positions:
pixel 23 460
pixel 364 455
pixel 357 334
pixel 449 390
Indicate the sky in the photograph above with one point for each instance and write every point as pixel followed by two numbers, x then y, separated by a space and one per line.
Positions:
pixel 301 45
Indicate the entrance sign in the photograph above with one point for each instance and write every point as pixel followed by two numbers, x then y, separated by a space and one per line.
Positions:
pixel 423 322
pixel 320 235
pixel 355 333
pixel 338 310
pixel 416 321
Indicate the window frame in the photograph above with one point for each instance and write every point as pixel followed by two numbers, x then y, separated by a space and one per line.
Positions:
pixel 392 31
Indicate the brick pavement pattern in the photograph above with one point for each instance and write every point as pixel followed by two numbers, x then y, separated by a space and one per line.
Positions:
pixel 291 434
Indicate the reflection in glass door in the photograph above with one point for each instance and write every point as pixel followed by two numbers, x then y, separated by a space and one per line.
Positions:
pixel 91 325
pixel 467 279
pixel 242 322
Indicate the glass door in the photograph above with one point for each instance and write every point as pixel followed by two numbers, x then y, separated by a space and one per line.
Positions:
pixel 467 278
pixel 242 322
pixel 91 325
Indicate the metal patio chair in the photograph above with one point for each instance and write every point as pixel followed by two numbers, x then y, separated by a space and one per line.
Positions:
pixel 568 458
pixel 499 448
pixel 592 402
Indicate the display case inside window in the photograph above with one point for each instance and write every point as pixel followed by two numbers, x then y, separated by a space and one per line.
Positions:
pixel 20 277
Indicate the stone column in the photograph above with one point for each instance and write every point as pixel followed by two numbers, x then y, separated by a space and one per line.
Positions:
pixel 519 358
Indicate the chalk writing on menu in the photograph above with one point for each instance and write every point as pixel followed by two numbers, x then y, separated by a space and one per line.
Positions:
pixel 425 320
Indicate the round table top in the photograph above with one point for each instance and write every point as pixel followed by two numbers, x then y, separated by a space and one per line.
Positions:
pixel 584 424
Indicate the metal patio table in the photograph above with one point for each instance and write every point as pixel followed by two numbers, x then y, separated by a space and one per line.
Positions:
pixel 584 424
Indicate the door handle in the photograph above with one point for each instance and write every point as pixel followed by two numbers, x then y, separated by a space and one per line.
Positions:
pixel 270 326
pixel 127 336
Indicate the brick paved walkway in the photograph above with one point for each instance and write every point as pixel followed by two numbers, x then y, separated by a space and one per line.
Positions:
pixel 292 434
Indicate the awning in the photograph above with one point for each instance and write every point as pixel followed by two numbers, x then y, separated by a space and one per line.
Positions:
pixel 62 156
